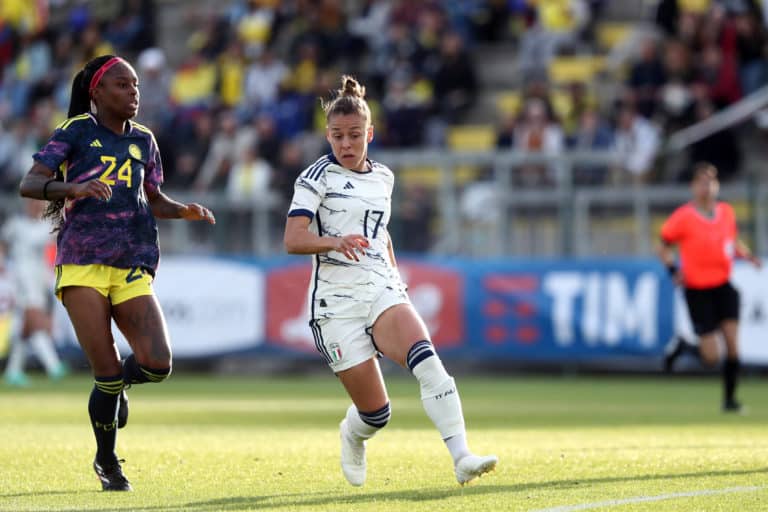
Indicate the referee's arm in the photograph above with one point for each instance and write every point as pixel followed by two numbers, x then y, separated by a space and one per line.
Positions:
pixel 666 252
pixel 743 251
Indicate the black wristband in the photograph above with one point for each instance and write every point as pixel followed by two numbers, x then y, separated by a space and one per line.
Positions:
pixel 45 188
pixel 672 268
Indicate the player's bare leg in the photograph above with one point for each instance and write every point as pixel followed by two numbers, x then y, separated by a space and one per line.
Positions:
pixel 401 335
pixel 141 321
pixel 90 312
pixel 368 414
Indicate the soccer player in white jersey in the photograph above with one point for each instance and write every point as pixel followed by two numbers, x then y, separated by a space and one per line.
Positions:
pixel 358 305
pixel 26 237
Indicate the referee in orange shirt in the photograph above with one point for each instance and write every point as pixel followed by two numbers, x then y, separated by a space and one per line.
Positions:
pixel 705 232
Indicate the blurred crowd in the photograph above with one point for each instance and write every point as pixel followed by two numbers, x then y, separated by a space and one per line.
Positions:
pixel 235 104
pixel 237 110
pixel 699 57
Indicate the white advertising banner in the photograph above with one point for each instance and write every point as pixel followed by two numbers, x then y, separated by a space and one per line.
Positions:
pixel 211 305
pixel 753 326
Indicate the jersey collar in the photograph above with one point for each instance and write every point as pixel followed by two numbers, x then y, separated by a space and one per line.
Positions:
pixel 368 162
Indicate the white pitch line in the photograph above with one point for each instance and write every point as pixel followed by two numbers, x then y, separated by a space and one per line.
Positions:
pixel 643 499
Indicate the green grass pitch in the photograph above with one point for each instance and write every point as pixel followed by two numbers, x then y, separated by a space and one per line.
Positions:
pixel 564 443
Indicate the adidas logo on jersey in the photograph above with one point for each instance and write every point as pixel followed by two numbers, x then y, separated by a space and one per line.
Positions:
pixel 348 186
pixel 96 143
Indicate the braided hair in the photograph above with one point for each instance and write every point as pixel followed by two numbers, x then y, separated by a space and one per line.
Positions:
pixel 79 103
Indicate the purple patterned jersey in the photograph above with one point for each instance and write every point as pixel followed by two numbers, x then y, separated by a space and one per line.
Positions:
pixel 121 232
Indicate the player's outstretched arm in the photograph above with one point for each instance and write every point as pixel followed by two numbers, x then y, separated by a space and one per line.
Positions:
pixel 299 240
pixel 40 183
pixel 163 207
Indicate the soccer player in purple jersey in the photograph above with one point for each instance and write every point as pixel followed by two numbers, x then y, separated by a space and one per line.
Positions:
pixel 101 173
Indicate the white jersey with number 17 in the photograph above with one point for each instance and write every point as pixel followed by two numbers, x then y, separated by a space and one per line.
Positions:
pixel 343 202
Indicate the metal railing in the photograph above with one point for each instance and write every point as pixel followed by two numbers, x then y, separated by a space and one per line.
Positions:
pixel 560 219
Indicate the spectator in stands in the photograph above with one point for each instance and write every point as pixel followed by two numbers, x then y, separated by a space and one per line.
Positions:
pixel 676 96
pixel 371 24
pixel 55 83
pixel 751 42
pixel 429 30
pixel 155 83
pixel 721 149
pixel 267 137
pixel 263 78
pixel 667 15
pixel 289 166
pixel 15 141
pixel 291 112
pixel 718 75
pixel 558 24
pixel 578 100
pixel 538 133
pixel 254 25
pixel 637 143
pixel 455 82
pixel 190 146
pixel 193 83
pixel 10 173
pixel 213 35
pixel 247 185
pixel 133 30
pixel 32 63
pixel 249 179
pixel 593 134
pixel 505 133
pixel 229 141
pixel 92 44
pixel 646 78
pixel 397 55
pixel 405 107
pixel 230 79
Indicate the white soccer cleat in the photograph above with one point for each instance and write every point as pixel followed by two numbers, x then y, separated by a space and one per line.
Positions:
pixel 352 456
pixel 472 466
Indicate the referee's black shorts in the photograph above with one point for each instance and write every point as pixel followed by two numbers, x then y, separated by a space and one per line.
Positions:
pixel 709 307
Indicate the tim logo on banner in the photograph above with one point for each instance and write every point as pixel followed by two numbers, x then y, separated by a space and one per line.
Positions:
pixel 437 294
pixel 570 309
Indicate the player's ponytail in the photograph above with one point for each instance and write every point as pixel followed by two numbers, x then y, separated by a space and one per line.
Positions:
pixel 80 99
pixel 350 99
pixel 79 103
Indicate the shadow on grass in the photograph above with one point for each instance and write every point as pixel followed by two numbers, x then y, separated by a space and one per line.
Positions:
pixel 298 500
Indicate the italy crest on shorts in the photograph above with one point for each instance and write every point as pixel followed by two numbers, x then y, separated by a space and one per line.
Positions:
pixel 134 151
pixel 335 351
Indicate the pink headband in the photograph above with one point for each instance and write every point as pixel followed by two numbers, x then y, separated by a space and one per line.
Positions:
pixel 100 72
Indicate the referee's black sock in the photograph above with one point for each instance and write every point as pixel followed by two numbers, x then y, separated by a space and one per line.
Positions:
pixel 102 408
pixel 730 378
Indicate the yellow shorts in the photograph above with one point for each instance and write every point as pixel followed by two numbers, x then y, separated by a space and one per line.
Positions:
pixel 116 284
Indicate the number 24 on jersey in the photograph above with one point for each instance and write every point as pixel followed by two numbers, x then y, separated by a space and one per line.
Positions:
pixel 124 173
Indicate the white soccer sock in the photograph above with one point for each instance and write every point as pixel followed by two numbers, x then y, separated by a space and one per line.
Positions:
pixel 357 426
pixel 457 445
pixel 42 344
pixel 16 358
pixel 442 403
